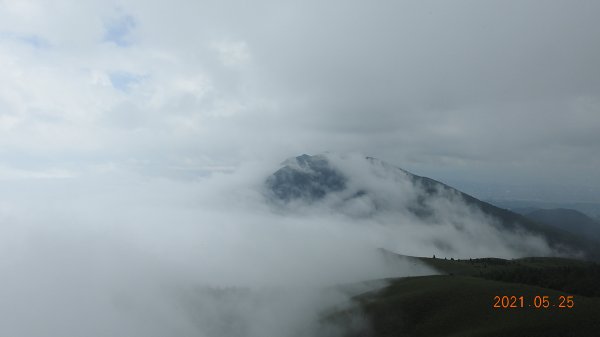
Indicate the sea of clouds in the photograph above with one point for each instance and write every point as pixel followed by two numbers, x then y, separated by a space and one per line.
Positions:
pixel 120 254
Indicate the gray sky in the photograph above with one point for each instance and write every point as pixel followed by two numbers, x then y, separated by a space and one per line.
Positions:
pixel 495 93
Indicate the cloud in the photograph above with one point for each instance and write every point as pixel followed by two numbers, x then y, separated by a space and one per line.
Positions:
pixel 413 219
pixel 11 174
pixel 161 119
pixel 424 85
pixel 123 81
pixel 32 40
pixel 118 30
pixel 232 53
pixel 122 253
pixel 118 254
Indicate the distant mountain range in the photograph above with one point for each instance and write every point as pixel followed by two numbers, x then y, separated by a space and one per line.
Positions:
pixel 317 179
pixel 569 220
pixel 590 209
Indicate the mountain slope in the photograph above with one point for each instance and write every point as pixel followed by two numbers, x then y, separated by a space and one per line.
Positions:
pixel 568 220
pixel 590 209
pixel 363 187
pixel 463 306
pixel 461 303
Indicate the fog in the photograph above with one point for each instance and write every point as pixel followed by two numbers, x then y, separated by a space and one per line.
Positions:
pixel 136 137
pixel 124 255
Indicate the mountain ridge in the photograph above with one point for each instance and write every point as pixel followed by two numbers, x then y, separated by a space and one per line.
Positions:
pixel 311 179
pixel 568 220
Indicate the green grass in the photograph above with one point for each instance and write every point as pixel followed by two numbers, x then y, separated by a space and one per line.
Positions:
pixel 573 276
pixel 460 303
pixel 476 267
pixel 462 306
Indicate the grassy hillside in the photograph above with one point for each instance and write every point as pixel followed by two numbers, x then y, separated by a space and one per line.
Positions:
pixel 460 303
pixel 463 306
pixel 573 276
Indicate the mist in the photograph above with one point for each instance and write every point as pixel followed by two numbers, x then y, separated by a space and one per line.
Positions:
pixel 124 254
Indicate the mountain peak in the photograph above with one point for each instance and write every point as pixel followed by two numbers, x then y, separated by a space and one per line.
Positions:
pixel 306 177
pixel 366 187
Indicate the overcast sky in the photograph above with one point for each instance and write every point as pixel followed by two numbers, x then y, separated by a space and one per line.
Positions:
pixel 490 93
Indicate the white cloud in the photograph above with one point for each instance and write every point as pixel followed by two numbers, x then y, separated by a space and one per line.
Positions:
pixel 119 30
pixel 226 83
pixel 232 53
pixel 7 173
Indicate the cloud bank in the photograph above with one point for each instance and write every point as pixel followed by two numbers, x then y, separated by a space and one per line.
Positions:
pixel 120 255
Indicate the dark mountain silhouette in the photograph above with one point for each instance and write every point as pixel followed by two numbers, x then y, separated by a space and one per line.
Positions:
pixel 311 179
pixel 522 210
pixel 306 177
pixel 569 220
pixel 524 207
